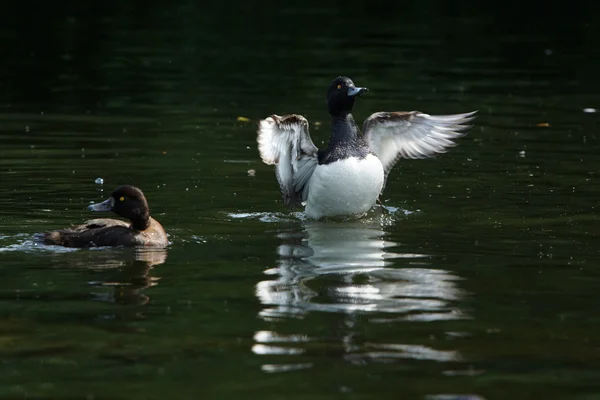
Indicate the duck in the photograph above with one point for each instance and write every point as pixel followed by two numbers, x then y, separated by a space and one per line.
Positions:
pixel 126 201
pixel 347 177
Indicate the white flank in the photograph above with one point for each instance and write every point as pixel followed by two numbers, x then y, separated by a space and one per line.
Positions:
pixel 344 187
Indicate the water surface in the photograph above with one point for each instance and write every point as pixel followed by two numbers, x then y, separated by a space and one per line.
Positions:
pixel 477 280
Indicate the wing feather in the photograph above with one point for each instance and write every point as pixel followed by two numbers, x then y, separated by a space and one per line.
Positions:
pixel 395 135
pixel 285 142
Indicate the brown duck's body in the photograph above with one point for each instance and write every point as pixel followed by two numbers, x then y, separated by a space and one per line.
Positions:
pixel 126 201
pixel 108 232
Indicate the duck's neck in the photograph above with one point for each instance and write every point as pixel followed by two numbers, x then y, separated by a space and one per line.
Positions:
pixel 343 128
pixel 140 222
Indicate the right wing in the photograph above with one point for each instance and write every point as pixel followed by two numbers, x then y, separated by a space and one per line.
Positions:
pixel 413 134
pixel 286 143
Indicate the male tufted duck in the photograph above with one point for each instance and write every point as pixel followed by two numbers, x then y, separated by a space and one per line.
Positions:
pixel 128 202
pixel 347 177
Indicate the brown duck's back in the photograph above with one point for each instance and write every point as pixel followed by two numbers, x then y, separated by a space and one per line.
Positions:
pixel 108 232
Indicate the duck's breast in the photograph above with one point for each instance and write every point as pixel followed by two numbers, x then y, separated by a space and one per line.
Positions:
pixel 344 187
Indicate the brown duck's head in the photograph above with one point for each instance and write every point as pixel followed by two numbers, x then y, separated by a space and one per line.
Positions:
pixel 128 202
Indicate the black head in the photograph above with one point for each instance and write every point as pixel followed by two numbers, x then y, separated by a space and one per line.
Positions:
pixel 128 202
pixel 341 96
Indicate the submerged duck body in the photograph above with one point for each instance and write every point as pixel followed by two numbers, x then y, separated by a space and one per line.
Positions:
pixel 126 201
pixel 347 177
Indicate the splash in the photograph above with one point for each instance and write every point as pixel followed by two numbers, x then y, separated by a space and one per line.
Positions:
pixel 386 214
pixel 27 243
pixel 269 217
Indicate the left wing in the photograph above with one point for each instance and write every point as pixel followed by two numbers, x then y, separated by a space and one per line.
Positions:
pixel 286 143
pixel 395 135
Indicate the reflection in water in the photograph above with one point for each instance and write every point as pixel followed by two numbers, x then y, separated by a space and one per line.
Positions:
pixel 104 286
pixel 346 268
pixel 125 271
pixel 130 272
pixel 130 279
pixel 358 255
pixel 417 352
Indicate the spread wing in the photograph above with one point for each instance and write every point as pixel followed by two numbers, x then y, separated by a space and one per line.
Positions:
pixel 285 142
pixel 395 135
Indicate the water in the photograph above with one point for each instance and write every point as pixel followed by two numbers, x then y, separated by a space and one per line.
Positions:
pixel 477 280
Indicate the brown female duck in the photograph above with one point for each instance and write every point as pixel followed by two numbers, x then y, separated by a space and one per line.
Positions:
pixel 126 201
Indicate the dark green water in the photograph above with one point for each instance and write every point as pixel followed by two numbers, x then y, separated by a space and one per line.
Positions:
pixel 480 281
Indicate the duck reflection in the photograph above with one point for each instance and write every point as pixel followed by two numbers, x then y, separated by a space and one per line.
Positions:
pixel 346 268
pixel 121 275
pixel 357 255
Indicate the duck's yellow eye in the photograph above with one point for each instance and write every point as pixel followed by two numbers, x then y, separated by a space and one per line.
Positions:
pixel 339 86
pixel 121 198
